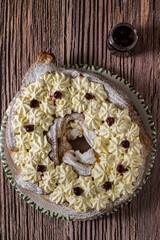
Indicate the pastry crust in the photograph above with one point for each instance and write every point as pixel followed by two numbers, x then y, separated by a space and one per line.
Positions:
pixel 47 63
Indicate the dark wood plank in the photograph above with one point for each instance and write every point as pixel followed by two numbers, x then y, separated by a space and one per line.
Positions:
pixel 76 31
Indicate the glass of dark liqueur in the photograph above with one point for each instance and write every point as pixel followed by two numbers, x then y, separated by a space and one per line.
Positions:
pixel 122 39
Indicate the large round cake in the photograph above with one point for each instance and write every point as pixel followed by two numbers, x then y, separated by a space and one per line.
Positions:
pixel 76 139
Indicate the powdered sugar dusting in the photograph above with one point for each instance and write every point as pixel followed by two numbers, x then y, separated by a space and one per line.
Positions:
pixel 29 186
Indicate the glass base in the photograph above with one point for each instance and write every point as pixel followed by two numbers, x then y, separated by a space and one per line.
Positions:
pixel 117 53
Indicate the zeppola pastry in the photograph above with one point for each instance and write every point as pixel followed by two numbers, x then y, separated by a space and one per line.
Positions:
pixel 76 138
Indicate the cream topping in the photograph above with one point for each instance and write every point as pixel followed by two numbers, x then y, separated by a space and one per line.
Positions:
pixel 66 173
pixel 79 203
pixel 48 182
pixel 99 202
pixel 57 96
pixel 58 195
pixel 29 173
pixel 87 184
pixel 22 106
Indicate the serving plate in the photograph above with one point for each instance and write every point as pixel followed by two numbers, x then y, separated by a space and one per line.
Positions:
pixel 53 210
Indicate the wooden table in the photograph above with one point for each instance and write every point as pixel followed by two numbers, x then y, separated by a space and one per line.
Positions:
pixel 76 32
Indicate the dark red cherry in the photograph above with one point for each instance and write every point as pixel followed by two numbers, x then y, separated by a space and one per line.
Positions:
pixel 121 169
pixel 110 121
pixel 89 96
pixel 125 143
pixel 51 96
pixel 58 95
pixel 34 103
pixel 107 185
pixel 78 191
pixel 29 128
pixel 41 179
pixel 45 133
pixel 41 168
pixel 81 75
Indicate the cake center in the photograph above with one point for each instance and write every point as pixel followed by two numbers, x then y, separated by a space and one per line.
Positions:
pixel 72 143
pixel 80 144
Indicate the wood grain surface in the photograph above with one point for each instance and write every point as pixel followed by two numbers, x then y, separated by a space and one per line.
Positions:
pixel 76 32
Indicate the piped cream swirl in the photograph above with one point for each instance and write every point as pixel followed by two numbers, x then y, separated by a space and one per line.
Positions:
pixel 34 148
